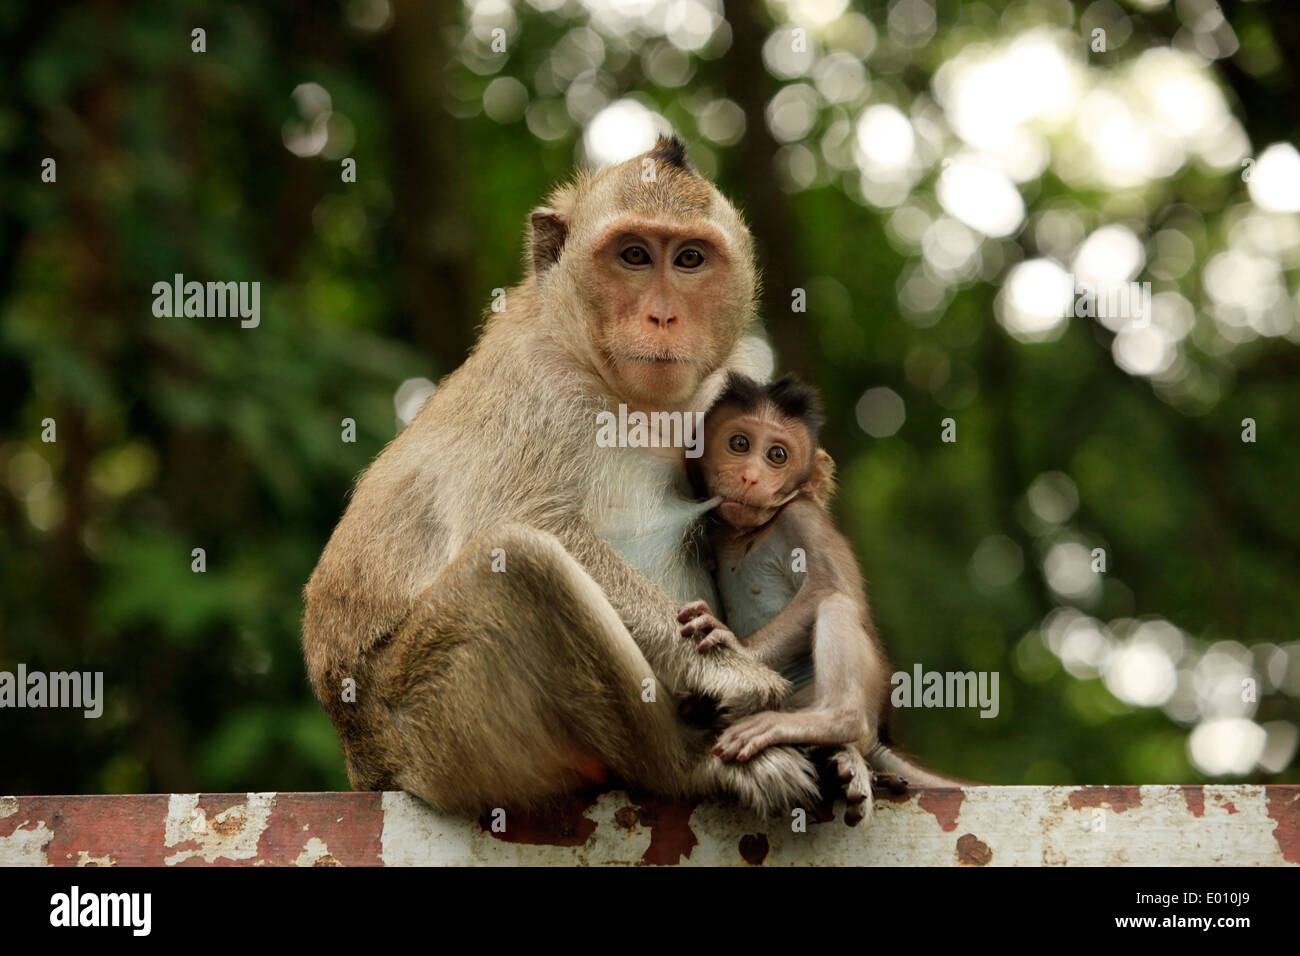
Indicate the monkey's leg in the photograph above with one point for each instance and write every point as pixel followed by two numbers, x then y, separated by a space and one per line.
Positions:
pixel 739 683
pixel 848 689
pixel 513 682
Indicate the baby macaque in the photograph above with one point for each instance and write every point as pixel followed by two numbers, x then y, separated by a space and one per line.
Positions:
pixel 792 594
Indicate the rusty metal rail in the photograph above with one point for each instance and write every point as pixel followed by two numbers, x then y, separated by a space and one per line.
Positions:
pixel 975 826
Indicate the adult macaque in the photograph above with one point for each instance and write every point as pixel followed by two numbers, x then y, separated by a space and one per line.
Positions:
pixel 790 586
pixel 503 590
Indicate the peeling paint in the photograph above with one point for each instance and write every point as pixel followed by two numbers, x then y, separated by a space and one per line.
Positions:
pixel 671 837
pixel 232 833
pixel 627 817
pixel 1000 826
pixel 414 835
pixel 315 853
pixel 25 845
pixel 1118 799
pixel 302 820
pixel 945 804
pixel 1284 808
pixel 754 848
pixel 126 829
pixel 972 851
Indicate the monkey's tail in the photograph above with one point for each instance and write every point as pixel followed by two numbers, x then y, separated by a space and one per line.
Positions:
pixel 884 760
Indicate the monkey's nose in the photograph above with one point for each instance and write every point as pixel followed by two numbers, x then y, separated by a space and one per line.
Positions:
pixel 661 322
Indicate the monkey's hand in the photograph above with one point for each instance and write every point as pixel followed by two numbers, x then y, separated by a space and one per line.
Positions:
pixel 745 685
pixel 752 735
pixel 700 622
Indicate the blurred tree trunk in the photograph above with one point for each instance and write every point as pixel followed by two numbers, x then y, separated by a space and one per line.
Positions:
pixel 429 194
pixel 765 204
pixel 1270 110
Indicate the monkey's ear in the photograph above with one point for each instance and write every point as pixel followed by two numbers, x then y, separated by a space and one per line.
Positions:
pixel 550 228
pixel 821 481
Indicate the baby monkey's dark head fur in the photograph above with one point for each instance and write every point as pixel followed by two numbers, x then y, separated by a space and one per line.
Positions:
pixel 788 396
pixel 760 449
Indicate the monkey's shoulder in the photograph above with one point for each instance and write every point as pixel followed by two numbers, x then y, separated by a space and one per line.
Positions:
pixel 803 515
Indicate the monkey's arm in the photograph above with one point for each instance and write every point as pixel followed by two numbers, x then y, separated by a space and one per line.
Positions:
pixel 788 634
pixel 733 678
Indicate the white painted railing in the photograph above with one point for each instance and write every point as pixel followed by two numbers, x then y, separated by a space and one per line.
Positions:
pixel 974 826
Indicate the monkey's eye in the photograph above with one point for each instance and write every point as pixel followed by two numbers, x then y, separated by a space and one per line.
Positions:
pixel 777 455
pixel 689 259
pixel 738 443
pixel 635 256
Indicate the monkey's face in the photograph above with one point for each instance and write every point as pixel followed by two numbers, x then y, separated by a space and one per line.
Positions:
pixel 670 306
pixel 755 460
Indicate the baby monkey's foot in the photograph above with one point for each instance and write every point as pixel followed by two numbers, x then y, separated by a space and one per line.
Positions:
pixel 854 773
pixel 699 621
pixel 890 781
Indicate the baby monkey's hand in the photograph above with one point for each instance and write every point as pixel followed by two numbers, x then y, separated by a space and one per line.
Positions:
pixel 699 621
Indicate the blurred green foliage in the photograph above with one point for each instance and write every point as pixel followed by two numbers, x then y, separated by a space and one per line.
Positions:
pixel 176 434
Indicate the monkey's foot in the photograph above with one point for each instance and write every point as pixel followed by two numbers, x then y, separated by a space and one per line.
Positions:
pixel 890 781
pixel 778 779
pixel 854 773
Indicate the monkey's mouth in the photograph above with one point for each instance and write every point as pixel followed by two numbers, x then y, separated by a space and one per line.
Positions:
pixel 733 505
pixel 658 359
pixel 735 496
pixel 740 514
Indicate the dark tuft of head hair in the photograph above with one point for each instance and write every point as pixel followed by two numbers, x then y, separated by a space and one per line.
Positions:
pixel 671 150
pixel 790 397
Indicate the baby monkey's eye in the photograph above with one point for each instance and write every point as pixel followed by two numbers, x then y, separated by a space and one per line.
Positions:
pixel 738 443
pixel 777 455
pixel 690 259
pixel 635 255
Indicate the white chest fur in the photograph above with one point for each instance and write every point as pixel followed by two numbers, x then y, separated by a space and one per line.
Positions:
pixel 643 509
